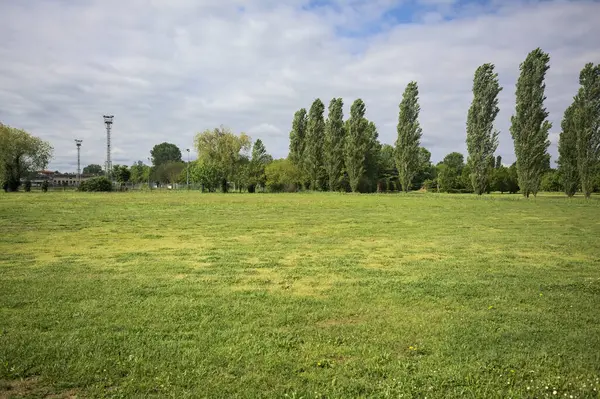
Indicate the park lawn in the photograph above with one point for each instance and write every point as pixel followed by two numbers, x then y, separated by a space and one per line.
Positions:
pixel 183 294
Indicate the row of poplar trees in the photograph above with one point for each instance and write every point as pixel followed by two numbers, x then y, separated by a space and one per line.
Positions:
pixel 332 151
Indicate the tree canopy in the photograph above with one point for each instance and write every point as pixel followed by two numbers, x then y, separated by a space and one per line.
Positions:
pixel 165 152
pixel 20 154
pixel 221 151
pixel 92 169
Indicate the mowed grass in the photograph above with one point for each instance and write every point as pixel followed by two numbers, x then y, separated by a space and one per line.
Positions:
pixel 307 295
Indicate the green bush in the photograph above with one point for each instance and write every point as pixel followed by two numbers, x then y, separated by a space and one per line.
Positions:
pixel 27 185
pixel 45 186
pixel 96 184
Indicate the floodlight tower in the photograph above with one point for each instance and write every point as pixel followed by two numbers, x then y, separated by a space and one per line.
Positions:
pixel 78 143
pixel 108 120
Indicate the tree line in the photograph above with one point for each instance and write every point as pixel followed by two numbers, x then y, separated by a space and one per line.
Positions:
pixel 330 153
pixel 333 154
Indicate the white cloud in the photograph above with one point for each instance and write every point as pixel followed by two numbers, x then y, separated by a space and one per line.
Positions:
pixel 168 69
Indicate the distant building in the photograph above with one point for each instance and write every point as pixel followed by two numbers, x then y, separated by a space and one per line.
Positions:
pixel 56 178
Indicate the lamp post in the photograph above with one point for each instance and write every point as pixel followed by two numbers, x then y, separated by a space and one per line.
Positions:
pixel 188 169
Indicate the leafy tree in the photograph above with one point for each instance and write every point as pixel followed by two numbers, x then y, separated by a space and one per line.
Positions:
pixel 297 138
pixel 121 173
pixel 498 162
pixel 587 125
pixel 139 172
pixel 450 171
pixel 93 169
pixel 551 182
pixel 333 151
pixel 207 174
pixel 241 175
pixel 313 149
pixel 372 150
pixel 165 152
pixel 482 139
pixel 20 154
pixel 425 169
pixel 356 143
pixel 513 179
pixel 169 172
pixel 567 153
pixel 529 127
pixel 222 149
pixel 409 135
pixel 387 167
pixel 260 159
pixel 282 175
pixel 500 179
pixel 465 185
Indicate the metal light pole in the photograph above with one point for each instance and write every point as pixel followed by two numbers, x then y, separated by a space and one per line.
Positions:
pixel 188 169
pixel 78 143
pixel 108 120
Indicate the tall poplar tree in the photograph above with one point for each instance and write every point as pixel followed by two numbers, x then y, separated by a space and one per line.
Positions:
pixel 333 154
pixel 314 140
pixel 529 127
pixel 587 124
pixel 372 151
pixel 409 135
pixel 567 153
pixel 482 138
pixel 356 143
pixel 297 138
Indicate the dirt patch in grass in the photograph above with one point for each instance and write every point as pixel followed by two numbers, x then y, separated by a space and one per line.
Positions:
pixel 32 387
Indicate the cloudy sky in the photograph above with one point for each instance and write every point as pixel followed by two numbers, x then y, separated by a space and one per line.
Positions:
pixel 168 69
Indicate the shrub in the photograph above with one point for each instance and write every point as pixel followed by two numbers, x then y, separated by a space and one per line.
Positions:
pixel 45 186
pixel 27 185
pixel 96 184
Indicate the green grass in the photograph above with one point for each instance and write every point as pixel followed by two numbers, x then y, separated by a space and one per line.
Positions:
pixel 307 295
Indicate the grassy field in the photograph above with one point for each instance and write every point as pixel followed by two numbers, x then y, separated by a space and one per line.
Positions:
pixel 182 294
